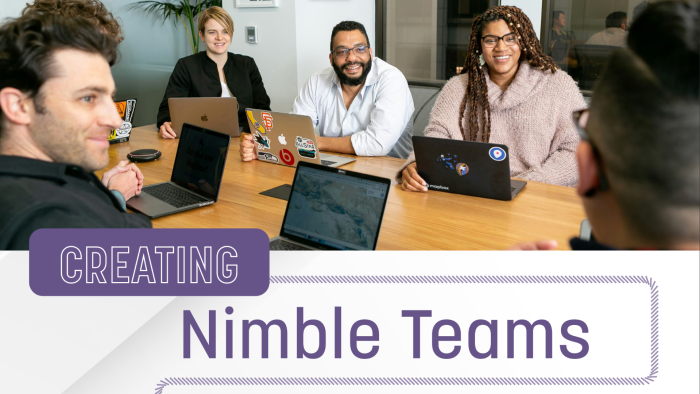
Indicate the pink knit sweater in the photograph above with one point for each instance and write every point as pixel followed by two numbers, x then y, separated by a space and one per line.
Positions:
pixel 533 117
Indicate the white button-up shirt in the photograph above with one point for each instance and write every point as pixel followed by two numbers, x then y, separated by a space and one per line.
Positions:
pixel 378 120
pixel 612 36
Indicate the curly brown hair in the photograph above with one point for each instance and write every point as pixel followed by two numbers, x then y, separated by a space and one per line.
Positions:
pixel 92 10
pixel 477 96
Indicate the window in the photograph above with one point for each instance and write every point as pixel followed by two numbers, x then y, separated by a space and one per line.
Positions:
pixel 427 39
pixel 581 34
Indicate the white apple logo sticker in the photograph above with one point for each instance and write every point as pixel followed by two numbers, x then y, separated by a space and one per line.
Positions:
pixel 283 141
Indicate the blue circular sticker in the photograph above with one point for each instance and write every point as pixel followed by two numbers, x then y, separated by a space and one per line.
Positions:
pixel 497 154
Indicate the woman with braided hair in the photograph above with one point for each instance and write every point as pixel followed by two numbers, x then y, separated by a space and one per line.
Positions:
pixel 516 97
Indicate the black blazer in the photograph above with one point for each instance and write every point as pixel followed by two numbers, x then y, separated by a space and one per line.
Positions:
pixel 197 76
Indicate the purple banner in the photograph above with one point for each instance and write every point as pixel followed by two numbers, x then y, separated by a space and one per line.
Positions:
pixel 149 262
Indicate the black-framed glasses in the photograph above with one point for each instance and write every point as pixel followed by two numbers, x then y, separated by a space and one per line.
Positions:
pixel 581 120
pixel 491 41
pixel 345 52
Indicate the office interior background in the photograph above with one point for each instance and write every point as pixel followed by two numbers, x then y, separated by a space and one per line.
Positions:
pixel 425 39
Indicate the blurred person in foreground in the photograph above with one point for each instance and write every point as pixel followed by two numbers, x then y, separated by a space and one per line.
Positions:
pixel 639 159
pixel 56 113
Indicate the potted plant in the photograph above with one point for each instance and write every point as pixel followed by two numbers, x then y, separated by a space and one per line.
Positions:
pixel 182 10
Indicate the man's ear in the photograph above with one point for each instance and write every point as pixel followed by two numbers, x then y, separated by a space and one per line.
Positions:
pixel 330 58
pixel 587 170
pixel 15 106
pixel 201 36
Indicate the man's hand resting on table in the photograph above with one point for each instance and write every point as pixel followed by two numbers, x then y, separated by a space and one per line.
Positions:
pixel 247 147
pixel 126 178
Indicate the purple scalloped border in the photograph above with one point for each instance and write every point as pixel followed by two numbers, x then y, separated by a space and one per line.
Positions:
pixel 447 381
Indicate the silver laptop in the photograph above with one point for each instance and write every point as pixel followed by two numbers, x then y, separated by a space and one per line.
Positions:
pixel 332 209
pixel 196 178
pixel 288 139
pixel 213 113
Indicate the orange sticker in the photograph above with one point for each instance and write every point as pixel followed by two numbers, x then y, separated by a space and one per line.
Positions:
pixel 267 120
pixel 121 107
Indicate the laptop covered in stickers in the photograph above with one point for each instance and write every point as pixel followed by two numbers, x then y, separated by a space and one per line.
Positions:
pixel 126 109
pixel 287 139
pixel 464 167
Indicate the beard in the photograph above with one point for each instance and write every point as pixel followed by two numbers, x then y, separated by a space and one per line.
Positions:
pixel 65 143
pixel 345 80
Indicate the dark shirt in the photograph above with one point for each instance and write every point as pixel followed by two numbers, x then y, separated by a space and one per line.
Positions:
pixel 561 43
pixel 579 244
pixel 38 194
pixel 198 76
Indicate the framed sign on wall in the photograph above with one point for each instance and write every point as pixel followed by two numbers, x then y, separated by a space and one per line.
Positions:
pixel 256 3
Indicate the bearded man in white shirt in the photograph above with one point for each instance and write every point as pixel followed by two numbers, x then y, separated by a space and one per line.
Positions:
pixel 361 104
pixel 617 24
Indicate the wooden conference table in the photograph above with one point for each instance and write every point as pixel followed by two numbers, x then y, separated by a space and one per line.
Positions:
pixel 413 221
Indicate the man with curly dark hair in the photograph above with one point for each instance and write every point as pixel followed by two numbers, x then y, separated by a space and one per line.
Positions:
pixel 56 113
pixel 92 10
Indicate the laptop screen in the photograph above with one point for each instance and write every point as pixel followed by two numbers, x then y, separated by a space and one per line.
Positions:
pixel 201 157
pixel 335 208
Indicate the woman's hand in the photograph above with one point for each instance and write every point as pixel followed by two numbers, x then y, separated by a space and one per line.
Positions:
pixel 166 130
pixel 411 181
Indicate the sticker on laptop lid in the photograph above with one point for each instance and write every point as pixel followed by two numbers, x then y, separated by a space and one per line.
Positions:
pixel 305 147
pixel 266 156
pixel 255 123
pixel 448 160
pixel 262 141
pixel 267 120
pixel 462 169
pixel 123 131
pixel 497 154
pixel 287 157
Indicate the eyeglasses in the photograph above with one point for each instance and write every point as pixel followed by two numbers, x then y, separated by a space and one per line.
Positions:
pixel 581 120
pixel 344 53
pixel 491 41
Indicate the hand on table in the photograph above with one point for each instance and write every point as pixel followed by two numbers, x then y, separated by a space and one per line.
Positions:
pixel 411 181
pixel 247 147
pixel 123 166
pixel 535 245
pixel 123 185
pixel 166 130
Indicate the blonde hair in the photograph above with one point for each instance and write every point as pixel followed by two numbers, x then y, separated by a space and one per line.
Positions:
pixel 218 14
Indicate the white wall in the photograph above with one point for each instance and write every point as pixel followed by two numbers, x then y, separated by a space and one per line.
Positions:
pixel 10 9
pixel 276 50
pixel 531 8
pixel 315 20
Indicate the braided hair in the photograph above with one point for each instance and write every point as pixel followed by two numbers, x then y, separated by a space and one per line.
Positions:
pixel 477 96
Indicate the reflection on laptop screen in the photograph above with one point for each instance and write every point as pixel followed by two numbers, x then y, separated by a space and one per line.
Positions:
pixel 200 160
pixel 337 210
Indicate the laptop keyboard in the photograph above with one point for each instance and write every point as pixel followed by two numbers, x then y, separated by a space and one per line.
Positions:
pixel 328 162
pixel 173 195
pixel 279 244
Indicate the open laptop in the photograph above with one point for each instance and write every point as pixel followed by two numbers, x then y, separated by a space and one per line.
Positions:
pixel 464 167
pixel 214 113
pixel 196 178
pixel 287 139
pixel 332 209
